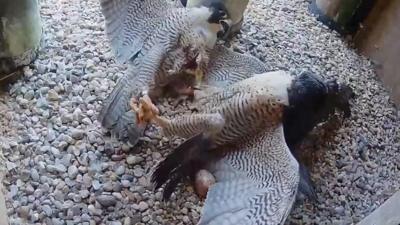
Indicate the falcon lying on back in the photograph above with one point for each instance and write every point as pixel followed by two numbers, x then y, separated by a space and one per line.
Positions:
pixel 159 39
pixel 257 178
pixel 228 67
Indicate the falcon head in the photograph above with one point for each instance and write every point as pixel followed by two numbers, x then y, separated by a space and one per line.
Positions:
pixel 313 100
pixel 219 16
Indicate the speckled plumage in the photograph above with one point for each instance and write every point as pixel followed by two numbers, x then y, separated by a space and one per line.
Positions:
pixel 227 67
pixel 237 133
pixel 238 110
pixel 158 39
pixel 258 178
pixel 256 183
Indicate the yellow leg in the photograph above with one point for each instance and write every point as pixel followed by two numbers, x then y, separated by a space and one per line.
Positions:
pixel 144 108
pixel 161 121
pixel 147 112
pixel 198 73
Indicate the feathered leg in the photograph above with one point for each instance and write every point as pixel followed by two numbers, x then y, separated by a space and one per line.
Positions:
pixel 185 126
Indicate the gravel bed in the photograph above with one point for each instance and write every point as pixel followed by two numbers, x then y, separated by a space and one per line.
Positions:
pixel 63 169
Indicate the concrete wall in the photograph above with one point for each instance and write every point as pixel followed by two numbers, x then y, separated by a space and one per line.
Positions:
pixel 379 39
pixel 328 7
pixel 386 214
pixel 3 209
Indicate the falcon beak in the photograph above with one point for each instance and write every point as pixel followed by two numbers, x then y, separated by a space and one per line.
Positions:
pixel 225 27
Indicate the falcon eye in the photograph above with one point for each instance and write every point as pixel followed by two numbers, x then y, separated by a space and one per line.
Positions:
pixel 222 14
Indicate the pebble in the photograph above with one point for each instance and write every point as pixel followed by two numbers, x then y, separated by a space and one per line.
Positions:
pixel 115 223
pixel 59 159
pixel 84 194
pixel 93 210
pixel 132 160
pixel 35 175
pixel 73 172
pixel 57 221
pixel 120 170
pixel 52 95
pixel 60 168
pixel 77 134
pixel 143 206
pixel 138 172
pixel 47 210
pixel 96 185
pixel 23 212
pixel 106 200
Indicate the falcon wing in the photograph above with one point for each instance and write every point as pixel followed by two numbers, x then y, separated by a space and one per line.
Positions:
pixel 256 183
pixel 142 32
pixel 116 113
pixel 129 23
pixel 227 67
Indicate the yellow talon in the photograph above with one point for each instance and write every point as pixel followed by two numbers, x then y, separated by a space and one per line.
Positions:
pixel 144 109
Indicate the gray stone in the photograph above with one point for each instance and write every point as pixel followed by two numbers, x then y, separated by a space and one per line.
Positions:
pixel 108 186
pixel 132 160
pixel 57 221
pixel 138 172
pixel 120 170
pixel 35 175
pixel 72 171
pixel 52 95
pixel 47 210
pixel 29 95
pixel 115 223
pixel 24 212
pixel 84 193
pixel 60 168
pixel 13 191
pixel 125 183
pixel 51 135
pixel 143 206
pixel 25 174
pixel 94 211
pixel 85 217
pixel 77 134
pixel 106 200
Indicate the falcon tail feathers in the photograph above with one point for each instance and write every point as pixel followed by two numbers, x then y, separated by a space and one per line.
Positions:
pixel 182 163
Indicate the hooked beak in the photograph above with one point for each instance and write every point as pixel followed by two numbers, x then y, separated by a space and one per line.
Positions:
pixel 225 27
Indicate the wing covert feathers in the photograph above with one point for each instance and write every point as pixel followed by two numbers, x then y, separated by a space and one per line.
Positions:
pixel 130 22
pixel 256 184
pixel 227 67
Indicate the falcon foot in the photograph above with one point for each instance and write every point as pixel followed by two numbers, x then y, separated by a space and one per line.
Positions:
pixel 145 109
